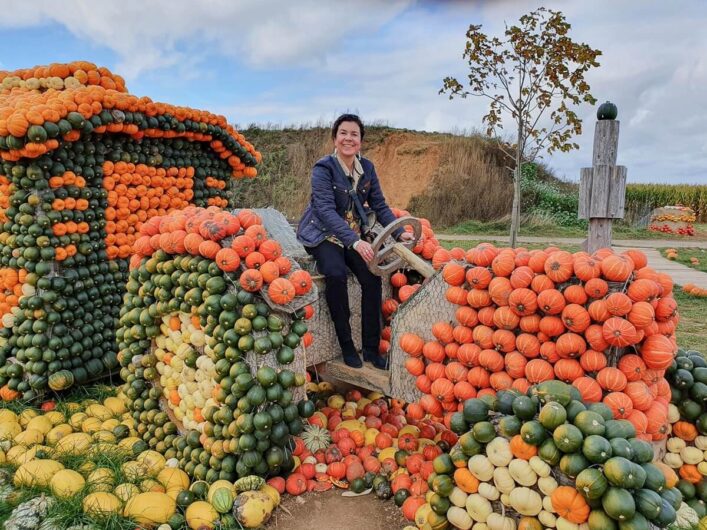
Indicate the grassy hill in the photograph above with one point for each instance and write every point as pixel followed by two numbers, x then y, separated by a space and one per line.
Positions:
pixel 446 178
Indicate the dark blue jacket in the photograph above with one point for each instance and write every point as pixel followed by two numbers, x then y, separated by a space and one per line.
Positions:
pixel 324 215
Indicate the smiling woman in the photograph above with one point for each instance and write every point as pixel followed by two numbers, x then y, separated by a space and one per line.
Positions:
pixel 334 229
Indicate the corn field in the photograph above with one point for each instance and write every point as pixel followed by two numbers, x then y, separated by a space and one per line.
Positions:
pixel 641 199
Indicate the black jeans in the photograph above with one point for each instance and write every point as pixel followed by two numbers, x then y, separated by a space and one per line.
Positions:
pixel 332 261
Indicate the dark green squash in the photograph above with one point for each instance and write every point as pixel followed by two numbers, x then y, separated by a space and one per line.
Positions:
pixel 549 452
pixel 591 483
pixel 599 520
pixel 590 422
pixel 648 502
pixel 533 433
pixel 568 438
pixel 620 472
pixel 596 449
pixel 552 415
pixel 637 522
pixel 621 447
pixel 573 464
pixel 642 451
pixel 607 111
pixel 618 504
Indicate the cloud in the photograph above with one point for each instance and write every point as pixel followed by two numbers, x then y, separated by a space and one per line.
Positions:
pixel 306 61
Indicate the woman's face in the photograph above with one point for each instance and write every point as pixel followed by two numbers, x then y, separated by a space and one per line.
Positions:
pixel 348 138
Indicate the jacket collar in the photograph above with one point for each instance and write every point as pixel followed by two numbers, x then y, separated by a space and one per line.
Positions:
pixel 343 173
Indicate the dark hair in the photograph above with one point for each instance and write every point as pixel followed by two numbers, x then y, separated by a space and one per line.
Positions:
pixel 347 117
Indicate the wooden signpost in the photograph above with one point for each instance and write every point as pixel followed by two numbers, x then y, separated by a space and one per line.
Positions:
pixel 602 187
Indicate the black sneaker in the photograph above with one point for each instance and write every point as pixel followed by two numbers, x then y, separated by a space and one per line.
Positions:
pixel 376 360
pixel 351 357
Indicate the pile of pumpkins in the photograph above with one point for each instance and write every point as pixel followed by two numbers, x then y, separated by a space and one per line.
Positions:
pixel 210 368
pixel 84 165
pixel 686 449
pixel 548 460
pixel 604 323
pixel 359 442
pixel 91 451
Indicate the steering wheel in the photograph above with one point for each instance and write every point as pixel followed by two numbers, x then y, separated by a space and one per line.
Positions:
pixel 385 258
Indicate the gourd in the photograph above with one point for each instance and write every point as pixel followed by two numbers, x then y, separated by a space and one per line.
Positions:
pixel 36 473
pixel 499 452
pixel 675 445
pixel 496 521
pixel 101 504
pixel 253 509
pixel 607 111
pixel 540 467
pixel 459 518
pixel 547 485
pixel 488 491
pixel 66 483
pixel 526 501
pixel 522 472
pixel 478 507
pixel 481 467
pixel 200 514
pixel 691 455
pixel 458 497
pixel 151 508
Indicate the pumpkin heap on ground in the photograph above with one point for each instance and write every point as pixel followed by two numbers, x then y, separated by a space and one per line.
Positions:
pixel 605 323
pixel 548 460
pixel 687 444
pixel 92 466
pixel 197 336
pixel 84 165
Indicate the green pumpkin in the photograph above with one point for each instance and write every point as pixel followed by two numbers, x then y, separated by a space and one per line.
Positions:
pixel 687 490
pixel 590 422
pixel 553 390
pixel 524 408
pixel 618 504
pixel 607 111
pixel 667 515
pixel 655 480
pixel 458 424
pixel 475 410
pixel 484 432
pixel 222 500
pixel 642 451
pixel 573 464
pixel 620 472
pixel 699 506
pixel 672 496
pixel 552 415
pixel 599 520
pixel 574 408
pixel 568 438
pixel 509 426
pixel 533 433
pixel 637 522
pixel 549 452
pixel 602 410
pixel 591 483
pixel 621 447
pixel 619 429
pixel 648 503
pixel 469 445
pixel 596 449
pixel 61 380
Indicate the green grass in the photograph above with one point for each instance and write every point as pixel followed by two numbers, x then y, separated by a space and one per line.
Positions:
pixel 537 229
pixel 692 329
pixel 685 254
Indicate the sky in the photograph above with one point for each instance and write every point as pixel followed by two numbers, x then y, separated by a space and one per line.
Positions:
pixel 291 62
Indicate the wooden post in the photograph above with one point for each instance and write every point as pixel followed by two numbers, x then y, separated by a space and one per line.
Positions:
pixel 602 187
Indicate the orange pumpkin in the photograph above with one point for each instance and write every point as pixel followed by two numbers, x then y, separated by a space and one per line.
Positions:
pixel 569 504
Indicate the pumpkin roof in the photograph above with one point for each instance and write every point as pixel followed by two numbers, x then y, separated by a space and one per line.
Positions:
pixel 43 105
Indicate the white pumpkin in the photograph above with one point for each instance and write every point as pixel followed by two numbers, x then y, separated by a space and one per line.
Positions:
pixel 496 521
pixel 499 452
pixel 691 455
pixel 505 499
pixel 673 413
pixel 564 524
pixel 547 485
pixel 522 472
pixel 547 504
pixel 478 507
pixel 701 442
pixel 702 468
pixel 458 497
pixel 459 518
pixel 673 460
pixel 675 445
pixel 503 480
pixel 547 519
pixel 481 467
pixel 526 501
pixel 480 526
pixel 541 468
pixel 489 491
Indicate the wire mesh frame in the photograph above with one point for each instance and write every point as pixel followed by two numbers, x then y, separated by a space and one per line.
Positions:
pixel 417 315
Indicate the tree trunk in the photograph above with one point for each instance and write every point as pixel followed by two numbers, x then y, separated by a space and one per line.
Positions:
pixel 515 209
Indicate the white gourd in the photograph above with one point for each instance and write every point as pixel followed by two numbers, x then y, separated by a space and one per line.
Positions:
pixel 702 468
pixel 541 468
pixel 673 413
pixel 526 501
pixel 478 507
pixel 505 499
pixel 547 485
pixel 499 452
pixel 564 524
pixel 547 504
pixel 691 455
pixel 489 491
pixel 522 473
pixel 481 467
pixel 496 521
pixel 458 497
pixel 480 526
pixel 701 442
pixel 547 519
pixel 675 445
pixel 673 460
pixel 459 518
pixel 503 480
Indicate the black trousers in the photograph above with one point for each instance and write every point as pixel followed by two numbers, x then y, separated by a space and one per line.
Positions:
pixel 332 261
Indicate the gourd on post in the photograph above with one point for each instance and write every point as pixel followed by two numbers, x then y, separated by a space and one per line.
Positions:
pixel 602 187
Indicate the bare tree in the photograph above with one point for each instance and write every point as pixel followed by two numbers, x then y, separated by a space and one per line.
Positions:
pixel 532 76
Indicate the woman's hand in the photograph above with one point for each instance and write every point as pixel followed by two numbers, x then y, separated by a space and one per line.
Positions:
pixel 405 237
pixel 364 249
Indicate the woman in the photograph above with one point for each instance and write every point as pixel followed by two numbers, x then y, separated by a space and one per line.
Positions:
pixel 333 229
